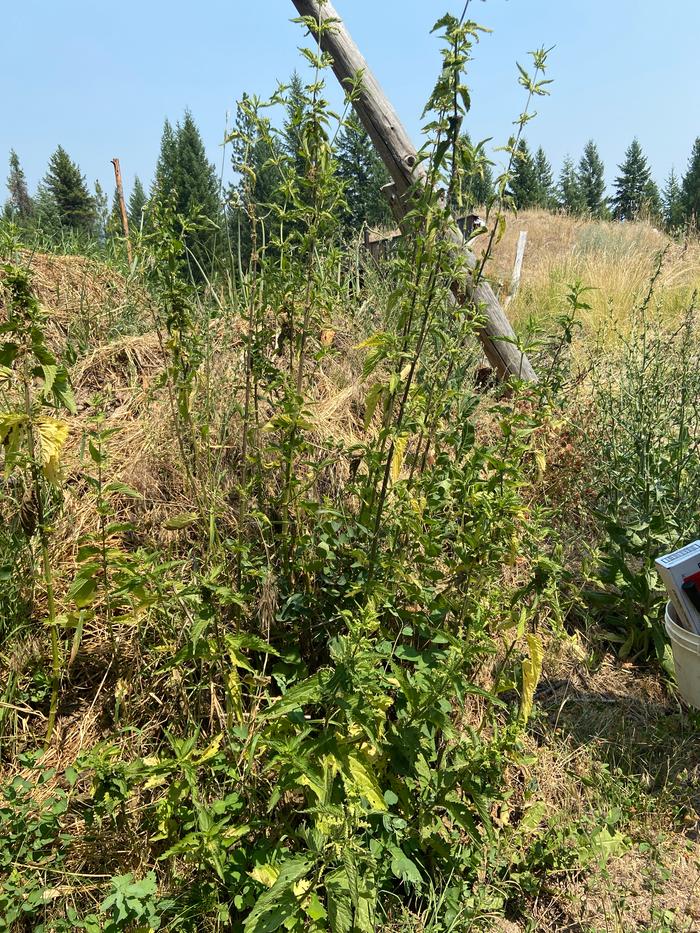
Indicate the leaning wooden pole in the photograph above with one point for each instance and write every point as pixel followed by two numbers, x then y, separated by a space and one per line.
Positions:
pixel 401 159
pixel 122 206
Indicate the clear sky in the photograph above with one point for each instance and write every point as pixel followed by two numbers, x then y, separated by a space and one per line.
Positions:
pixel 99 78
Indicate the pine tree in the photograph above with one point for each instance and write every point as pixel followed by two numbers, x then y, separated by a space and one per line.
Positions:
pixel 591 179
pixel 691 187
pixel 363 174
pixel 569 195
pixel 64 187
pixel 633 187
pixel 20 205
pixel 101 210
pixel 296 107
pixel 136 206
pixel 673 203
pixel 166 166
pixel 544 180
pixel 652 208
pixel 113 227
pixel 523 182
pixel 186 177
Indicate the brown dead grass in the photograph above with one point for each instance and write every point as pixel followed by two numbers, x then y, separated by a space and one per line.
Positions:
pixel 615 260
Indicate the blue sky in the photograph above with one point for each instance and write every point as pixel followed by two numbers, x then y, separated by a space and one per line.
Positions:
pixel 99 78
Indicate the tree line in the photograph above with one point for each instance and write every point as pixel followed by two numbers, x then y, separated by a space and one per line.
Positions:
pixel 183 175
pixel 581 188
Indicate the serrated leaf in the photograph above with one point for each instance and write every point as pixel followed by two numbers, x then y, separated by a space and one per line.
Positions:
pixel 52 435
pixel 309 691
pixel 269 911
pixel 532 669
pixel 359 779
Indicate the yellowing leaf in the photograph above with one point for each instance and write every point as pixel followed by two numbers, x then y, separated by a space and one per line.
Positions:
pixel 541 461
pixel 359 779
pixel 532 669
pixel 11 430
pixel 211 750
pixel 265 874
pixel 233 681
pixel 52 436
pixel 397 457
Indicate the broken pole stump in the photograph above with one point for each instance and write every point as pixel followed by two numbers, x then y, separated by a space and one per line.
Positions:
pixel 122 207
pixel 398 153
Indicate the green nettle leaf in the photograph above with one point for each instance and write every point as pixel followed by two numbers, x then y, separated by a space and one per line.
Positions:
pixel 402 866
pixel 339 902
pixel 310 691
pixel 84 587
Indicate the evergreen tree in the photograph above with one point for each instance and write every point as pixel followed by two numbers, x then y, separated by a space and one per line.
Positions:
pixel 136 205
pixel 166 166
pixel 296 107
pixel 113 227
pixel 363 174
pixel 652 208
pixel 569 195
pixel 256 191
pixel 101 210
pixel 20 205
pixel 591 179
pixel 633 187
pixel 481 186
pixel 186 177
pixel 673 203
pixel 65 190
pixel 691 187
pixel 544 180
pixel 523 183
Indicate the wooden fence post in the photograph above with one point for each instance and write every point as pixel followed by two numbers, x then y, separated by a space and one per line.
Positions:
pixel 122 207
pixel 401 159
pixel 517 268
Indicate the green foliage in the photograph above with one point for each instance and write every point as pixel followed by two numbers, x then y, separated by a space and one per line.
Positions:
pixel 186 180
pixel 31 834
pixel 65 196
pixel 136 206
pixel 20 206
pixel 570 195
pixel 647 465
pixel 544 181
pixel 477 174
pixel 257 157
pixel 691 186
pixel 591 181
pixel 363 174
pixel 674 212
pixel 526 181
pixel 635 191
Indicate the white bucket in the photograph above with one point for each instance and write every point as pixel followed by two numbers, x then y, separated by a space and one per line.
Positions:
pixel 686 658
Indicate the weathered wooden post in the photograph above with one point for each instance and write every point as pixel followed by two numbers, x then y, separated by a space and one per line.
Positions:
pixel 122 206
pixel 518 267
pixel 401 159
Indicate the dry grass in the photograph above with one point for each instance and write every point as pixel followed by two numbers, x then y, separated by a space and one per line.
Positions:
pixel 615 260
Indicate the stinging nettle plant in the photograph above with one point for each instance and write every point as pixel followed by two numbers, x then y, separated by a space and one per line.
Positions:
pixel 35 391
